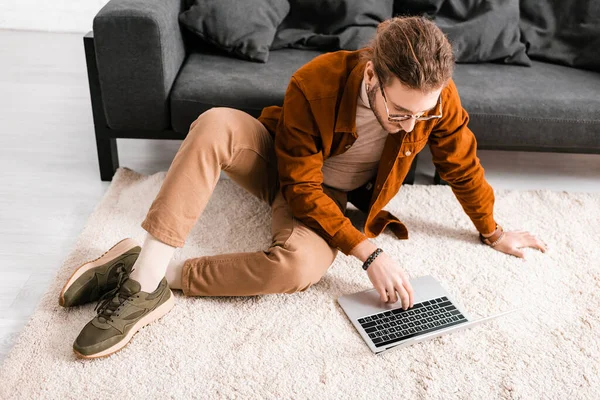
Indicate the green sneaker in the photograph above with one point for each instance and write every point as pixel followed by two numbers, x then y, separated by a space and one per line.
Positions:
pixel 124 311
pixel 94 278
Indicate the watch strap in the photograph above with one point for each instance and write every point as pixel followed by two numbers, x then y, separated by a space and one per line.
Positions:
pixel 495 238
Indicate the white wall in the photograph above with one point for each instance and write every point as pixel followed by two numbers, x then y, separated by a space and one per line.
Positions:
pixel 49 15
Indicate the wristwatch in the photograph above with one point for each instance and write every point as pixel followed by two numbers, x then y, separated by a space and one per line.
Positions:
pixel 495 238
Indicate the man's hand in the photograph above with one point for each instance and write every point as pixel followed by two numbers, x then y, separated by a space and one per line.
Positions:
pixel 513 241
pixel 386 275
pixel 388 278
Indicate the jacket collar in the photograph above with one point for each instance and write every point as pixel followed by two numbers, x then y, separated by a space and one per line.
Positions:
pixel 346 119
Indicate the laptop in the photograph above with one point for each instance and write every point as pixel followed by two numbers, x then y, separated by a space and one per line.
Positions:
pixel 387 326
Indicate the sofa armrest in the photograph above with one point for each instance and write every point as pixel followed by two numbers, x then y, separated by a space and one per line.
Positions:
pixel 139 51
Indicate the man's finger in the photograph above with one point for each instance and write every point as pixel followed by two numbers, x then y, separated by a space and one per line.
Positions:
pixel 537 244
pixel 392 298
pixel 529 241
pixel 403 294
pixel 382 294
pixel 518 253
pixel 407 287
pixel 410 291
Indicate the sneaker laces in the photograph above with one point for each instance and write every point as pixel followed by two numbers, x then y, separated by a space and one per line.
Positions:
pixel 110 301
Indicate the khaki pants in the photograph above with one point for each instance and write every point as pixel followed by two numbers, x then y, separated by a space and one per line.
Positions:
pixel 237 143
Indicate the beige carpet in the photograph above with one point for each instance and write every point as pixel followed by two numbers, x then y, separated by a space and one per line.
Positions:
pixel 302 346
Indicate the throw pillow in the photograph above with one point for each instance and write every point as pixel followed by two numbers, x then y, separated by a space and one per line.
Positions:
pixel 244 29
pixel 483 30
pixel 331 24
pixel 564 32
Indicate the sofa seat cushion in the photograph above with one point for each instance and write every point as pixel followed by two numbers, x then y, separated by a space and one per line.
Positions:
pixel 210 80
pixel 546 107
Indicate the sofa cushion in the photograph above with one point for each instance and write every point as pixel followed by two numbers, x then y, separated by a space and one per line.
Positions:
pixel 564 32
pixel 331 24
pixel 244 29
pixel 480 30
pixel 546 107
pixel 210 80
pixel 483 30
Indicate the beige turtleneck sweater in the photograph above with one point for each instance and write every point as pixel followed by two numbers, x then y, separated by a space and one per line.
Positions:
pixel 358 164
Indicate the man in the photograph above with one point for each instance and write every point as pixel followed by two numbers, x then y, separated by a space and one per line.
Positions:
pixel 349 129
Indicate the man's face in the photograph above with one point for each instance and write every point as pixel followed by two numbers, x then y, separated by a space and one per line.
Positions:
pixel 400 100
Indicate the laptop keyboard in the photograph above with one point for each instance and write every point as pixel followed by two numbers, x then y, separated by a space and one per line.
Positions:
pixel 396 325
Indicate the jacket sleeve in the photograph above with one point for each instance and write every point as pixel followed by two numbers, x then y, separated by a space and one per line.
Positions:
pixel 299 153
pixel 453 148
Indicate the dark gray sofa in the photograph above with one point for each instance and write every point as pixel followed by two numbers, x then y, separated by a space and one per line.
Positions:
pixel 147 80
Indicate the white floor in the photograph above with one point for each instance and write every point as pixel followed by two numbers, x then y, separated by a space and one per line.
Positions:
pixel 49 180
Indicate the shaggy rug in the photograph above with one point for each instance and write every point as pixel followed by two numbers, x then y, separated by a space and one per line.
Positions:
pixel 302 345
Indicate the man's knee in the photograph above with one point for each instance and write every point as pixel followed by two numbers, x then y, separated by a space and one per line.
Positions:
pixel 218 128
pixel 217 117
pixel 304 268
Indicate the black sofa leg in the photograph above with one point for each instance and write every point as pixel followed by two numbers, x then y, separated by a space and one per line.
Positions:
pixel 410 177
pixel 438 180
pixel 108 157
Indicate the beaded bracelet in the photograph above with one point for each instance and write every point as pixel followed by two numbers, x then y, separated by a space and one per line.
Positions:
pixel 372 258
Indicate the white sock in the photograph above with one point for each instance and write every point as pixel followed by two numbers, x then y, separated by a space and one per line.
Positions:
pixel 174 271
pixel 151 265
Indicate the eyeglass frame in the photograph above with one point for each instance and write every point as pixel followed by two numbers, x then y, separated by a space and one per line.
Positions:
pixel 405 117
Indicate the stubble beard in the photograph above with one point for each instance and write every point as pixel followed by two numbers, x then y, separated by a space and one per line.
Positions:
pixel 371 94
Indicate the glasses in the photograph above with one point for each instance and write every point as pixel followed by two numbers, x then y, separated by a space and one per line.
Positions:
pixel 419 117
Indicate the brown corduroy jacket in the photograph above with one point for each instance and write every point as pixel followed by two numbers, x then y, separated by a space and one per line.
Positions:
pixel 318 121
